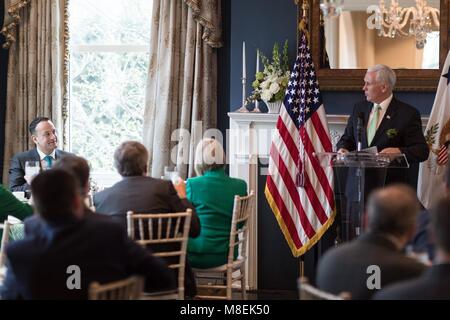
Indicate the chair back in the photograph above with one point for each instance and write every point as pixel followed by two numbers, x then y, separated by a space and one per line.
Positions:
pixel 127 289
pixel 242 209
pixel 13 230
pixel 215 280
pixel 167 234
pixel 309 292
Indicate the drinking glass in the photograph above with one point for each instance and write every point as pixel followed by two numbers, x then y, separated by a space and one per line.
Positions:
pixel 171 173
pixel 32 168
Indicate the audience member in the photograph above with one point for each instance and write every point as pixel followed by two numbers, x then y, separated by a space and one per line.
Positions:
pixel 422 243
pixel 391 216
pixel 434 284
pixel 79 168
pixel 39 265
pixel 212 193
pixel 143 194
pixel 43 134
pixel 11 206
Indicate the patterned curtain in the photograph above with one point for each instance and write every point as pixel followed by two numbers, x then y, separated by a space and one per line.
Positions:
pixel 181 88
pixel 37 75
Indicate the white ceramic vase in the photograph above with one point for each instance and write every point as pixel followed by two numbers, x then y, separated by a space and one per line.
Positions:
pixel 274 107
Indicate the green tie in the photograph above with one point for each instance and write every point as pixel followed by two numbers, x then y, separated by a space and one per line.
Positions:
pixel 49 160
pixel 372 127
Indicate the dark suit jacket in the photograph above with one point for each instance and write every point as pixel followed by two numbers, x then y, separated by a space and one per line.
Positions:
pixel 35 224
pixel 434 284
pixel 408 137
pixel 422 241
pixel 17 168
pixel 345 268
pixel 38 264
pixel 146 195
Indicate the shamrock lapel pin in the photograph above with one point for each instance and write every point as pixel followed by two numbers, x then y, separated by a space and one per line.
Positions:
pixel 391 133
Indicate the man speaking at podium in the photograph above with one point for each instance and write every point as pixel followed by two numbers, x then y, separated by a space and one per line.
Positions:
pixel 390 125
pixel 384 122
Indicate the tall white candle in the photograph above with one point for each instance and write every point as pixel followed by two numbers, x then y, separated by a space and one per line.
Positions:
pixel 257 70
pixel 257 61
pixel 244 66
pixel 244 75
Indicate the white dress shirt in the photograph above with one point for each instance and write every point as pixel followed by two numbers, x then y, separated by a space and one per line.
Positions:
pixel 43 155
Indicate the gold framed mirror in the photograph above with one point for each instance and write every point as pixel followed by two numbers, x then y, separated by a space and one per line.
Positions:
pixel 349 79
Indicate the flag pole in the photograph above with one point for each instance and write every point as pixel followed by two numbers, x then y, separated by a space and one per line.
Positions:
pixel 300 181
pixel 302 266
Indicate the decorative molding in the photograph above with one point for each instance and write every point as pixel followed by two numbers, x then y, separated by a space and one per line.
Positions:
pixel 332 119
pixel 416 80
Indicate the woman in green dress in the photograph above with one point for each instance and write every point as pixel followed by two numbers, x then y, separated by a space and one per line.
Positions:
pixel 11 206
pixel 212 193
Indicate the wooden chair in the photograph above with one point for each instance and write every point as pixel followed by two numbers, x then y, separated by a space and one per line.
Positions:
pixel 127 289
pixel 13 229
pixel 167 235
pixel 309 292
pixel 223 278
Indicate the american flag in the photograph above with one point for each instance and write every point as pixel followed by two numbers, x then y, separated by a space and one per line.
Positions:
pixel 298 189
pixel 442 156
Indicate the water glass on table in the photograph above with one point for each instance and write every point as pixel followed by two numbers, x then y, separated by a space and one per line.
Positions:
pixel 32 169
pixel 171 173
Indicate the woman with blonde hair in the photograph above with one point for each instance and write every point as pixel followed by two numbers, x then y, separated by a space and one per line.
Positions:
pixel 212 193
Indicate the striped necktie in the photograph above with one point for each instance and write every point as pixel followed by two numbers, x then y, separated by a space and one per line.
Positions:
pixel 372 127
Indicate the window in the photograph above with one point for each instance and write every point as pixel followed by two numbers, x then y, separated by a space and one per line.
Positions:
pixel 109 48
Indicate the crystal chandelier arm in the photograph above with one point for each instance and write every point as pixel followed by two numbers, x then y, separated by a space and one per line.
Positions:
pixel 405 18
pixel 434 13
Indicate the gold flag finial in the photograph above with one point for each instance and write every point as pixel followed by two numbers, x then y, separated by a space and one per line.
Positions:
pixel 303 24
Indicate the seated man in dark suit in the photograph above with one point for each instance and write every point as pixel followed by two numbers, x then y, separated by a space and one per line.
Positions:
pixel 434 284
pixel 143 194
pixel 79 168
pixel 391 215
pixel 43 134
pixel 39 265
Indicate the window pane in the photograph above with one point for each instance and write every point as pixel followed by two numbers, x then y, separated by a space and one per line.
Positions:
pixel 110 22
pixel 109 42
pixel 106 103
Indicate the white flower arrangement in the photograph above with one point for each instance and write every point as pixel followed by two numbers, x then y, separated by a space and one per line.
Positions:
pixel 270 85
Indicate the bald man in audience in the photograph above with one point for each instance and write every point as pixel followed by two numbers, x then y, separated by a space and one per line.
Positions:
pixel 434 284
pixel 375 259
pixel 43 135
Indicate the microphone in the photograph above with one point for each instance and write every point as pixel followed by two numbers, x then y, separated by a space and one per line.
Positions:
pixel 359 129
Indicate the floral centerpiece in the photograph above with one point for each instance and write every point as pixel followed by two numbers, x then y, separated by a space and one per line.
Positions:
pixel 270 85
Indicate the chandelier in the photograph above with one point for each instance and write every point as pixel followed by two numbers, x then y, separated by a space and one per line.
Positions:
pixel 331 8
pixel 409 21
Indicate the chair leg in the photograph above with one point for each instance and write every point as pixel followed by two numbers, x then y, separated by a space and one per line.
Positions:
pixel 229 283
pixel 243 284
